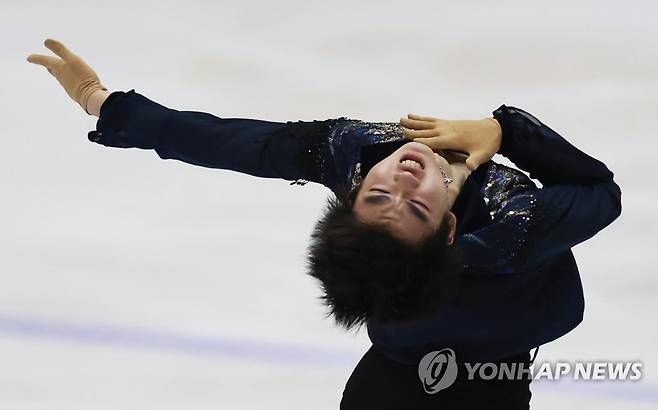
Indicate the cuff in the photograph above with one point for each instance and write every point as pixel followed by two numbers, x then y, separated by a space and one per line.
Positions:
pixel 125 121
pixel 502 115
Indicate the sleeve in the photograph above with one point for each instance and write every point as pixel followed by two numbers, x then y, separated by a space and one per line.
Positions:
pixel 578 199
pixel 295 151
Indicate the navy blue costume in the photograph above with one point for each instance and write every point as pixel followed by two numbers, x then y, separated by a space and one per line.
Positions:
pixel 521 286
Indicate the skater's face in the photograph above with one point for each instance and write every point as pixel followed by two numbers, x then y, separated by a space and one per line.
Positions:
pixel 409 199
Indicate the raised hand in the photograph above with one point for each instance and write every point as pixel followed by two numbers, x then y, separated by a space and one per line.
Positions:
pixel 78 79
pixel 480 139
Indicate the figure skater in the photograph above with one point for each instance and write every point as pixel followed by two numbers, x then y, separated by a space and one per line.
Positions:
pixel 428 252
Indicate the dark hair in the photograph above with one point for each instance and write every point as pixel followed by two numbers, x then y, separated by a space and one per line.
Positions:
pixel 368 275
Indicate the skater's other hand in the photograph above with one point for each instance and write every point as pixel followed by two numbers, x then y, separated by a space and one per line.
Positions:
pixel 480 139
pixel 79 80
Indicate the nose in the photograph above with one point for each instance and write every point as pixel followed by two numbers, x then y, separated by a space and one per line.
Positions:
pixel 406 180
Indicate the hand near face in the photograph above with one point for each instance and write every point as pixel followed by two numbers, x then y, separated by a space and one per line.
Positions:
pixel 480 139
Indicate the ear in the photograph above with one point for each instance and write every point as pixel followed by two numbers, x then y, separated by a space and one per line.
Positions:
pixel 452 221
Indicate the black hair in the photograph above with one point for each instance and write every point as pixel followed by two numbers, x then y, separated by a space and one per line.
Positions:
pixel 367 275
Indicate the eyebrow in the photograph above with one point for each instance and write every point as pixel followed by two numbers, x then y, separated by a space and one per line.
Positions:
pixel 376 199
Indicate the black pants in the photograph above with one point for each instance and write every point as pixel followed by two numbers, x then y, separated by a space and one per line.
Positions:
pixel 380 383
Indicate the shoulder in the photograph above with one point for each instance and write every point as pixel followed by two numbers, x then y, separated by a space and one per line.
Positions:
pixel 504 181
pixel 496 169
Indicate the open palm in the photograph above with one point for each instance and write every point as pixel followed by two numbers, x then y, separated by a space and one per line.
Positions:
pixel 78 79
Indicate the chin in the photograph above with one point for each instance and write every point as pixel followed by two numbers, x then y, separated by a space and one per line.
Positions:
pixel 419 146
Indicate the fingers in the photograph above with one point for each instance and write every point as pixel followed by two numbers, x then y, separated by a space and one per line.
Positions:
pixel 413 134
pixel 46 61
pixel 59 49
pixel 447 142
pixel 475 160
pixel 421 118
pixel 416 124
pixel 472 163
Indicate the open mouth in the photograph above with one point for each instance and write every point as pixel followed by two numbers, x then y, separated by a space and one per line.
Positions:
pixel 414 163
pixel 413 160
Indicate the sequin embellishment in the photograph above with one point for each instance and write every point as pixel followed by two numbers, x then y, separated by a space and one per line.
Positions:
pixel 511 198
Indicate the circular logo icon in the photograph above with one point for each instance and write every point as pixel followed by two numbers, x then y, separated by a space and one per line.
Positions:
pixel 438 370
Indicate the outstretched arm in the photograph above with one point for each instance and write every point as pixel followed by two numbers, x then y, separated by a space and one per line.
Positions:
pixel 292 150
pixel 284 150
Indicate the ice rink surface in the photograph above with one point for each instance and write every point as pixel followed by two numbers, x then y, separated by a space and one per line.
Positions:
pixel 130 282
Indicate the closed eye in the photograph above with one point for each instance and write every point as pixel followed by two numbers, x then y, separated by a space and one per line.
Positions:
pixel 415 209
pixel 422 205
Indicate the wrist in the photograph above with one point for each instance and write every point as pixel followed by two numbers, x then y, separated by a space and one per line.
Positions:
pixel 496 133
pixel 96 100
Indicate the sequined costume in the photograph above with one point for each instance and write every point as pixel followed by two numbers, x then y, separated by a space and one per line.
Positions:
pixel 521 287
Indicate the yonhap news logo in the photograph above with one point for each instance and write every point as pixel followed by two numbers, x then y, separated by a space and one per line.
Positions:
pixel 438 370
